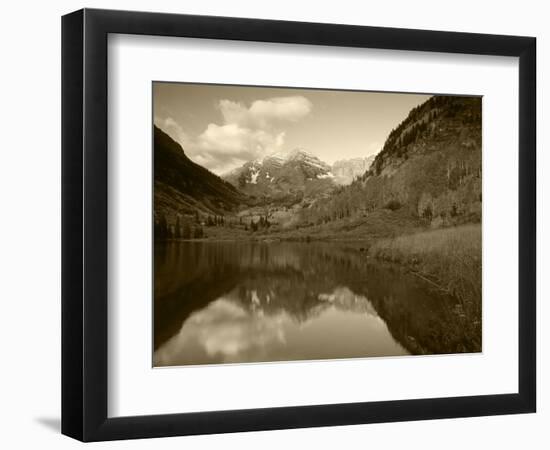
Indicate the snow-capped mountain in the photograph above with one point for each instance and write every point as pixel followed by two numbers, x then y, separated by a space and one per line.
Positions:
pixel 346 170
pixel 292 175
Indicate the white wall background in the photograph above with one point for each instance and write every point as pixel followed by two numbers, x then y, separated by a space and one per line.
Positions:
pixel 30 226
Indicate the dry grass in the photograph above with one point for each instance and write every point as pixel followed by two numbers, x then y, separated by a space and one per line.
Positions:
pixel 450 258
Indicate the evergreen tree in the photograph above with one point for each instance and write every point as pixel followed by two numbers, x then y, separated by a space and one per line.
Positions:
pixel 177 229
pixel 163 227
pixel 198 232
pixel 186 232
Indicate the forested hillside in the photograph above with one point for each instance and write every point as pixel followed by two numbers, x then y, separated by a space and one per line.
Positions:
pixel 184 190
pixel 429 168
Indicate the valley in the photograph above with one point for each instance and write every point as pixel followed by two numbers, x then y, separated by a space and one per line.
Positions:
pixel 427 176
pixel 426 179
pixel 303 224
pixel 378 254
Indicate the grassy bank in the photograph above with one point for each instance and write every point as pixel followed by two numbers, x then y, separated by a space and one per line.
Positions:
pixel 376 225
pixel 450 260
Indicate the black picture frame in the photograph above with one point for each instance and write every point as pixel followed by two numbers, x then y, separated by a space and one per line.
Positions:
pixel 84 224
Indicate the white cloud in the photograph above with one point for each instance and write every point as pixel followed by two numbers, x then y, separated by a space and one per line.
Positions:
pixel 265 113
pixel 176 132
pixel 223 147
pixel 246 132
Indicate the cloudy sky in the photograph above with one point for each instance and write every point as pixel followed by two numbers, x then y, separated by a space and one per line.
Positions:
pixel 222 127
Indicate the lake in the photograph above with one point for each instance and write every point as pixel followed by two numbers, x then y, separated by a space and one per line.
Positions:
pixel 235 302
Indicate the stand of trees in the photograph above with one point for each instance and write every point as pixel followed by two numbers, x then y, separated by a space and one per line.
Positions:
pixel 181 229
pixel 215 221
pixel 262 223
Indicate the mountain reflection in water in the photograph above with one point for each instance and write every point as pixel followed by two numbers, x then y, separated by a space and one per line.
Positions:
pixel 228 302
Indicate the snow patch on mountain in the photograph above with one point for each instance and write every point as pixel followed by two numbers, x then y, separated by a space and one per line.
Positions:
pixel 283 174
pixel 254 176
pixel 322 176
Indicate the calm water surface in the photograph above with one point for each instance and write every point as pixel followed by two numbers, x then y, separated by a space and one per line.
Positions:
pixel 228 302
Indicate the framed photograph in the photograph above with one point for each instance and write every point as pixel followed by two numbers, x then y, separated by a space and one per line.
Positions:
pixel 273 224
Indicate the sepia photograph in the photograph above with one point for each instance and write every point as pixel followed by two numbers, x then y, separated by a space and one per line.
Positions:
pixel 295 224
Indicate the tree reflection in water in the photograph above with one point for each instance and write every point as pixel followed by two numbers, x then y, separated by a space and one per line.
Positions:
pixel 247 302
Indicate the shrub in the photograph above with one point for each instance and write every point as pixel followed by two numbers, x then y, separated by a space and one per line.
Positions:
pixel 393 205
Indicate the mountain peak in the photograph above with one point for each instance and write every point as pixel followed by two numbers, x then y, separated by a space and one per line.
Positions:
pixel 287 155
pixel 299 152
pixel 282 174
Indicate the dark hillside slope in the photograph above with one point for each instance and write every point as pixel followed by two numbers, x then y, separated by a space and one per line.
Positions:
pixel 430 167
pixel 183 187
